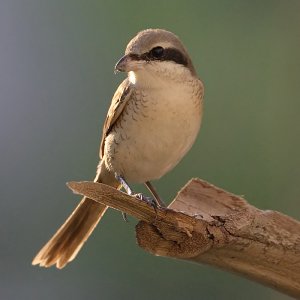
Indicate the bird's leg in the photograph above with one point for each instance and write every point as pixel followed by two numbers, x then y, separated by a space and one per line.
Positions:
pixel 128 191
pixel 140 196
pixel 154 193
pixel 124 184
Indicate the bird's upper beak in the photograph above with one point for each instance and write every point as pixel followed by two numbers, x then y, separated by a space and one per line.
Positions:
pixel 129 62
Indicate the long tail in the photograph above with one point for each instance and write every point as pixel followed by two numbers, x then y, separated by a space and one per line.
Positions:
pixel 70 237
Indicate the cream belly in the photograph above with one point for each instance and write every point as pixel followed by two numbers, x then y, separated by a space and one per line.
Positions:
pixel 155 132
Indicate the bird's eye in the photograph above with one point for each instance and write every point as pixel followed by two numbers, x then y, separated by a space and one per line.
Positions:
pixel 157 52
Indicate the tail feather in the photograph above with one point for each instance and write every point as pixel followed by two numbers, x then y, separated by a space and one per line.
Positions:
pixel 70 237
pixel 68 240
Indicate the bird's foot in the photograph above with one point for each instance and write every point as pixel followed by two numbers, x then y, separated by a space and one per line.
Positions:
pixel 150 201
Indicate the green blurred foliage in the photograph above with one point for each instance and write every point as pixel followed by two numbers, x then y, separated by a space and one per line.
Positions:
pixel 56 82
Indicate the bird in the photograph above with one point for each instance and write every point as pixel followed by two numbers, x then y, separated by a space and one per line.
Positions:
pixel 152 122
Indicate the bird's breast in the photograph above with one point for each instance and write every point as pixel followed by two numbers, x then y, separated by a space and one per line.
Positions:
pixel 155 130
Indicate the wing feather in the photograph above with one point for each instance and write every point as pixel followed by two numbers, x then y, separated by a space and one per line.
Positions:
pixel 117 105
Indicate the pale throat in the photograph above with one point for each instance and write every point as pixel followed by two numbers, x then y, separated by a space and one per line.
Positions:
pixel 132 77
pixel 168 74
pixel 142 79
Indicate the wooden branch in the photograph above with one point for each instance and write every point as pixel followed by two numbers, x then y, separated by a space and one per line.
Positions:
pixel 206 224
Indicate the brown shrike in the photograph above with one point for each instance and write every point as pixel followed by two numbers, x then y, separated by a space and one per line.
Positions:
pixel 152 122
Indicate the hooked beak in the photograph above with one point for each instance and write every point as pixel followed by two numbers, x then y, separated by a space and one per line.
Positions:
pixel 128 62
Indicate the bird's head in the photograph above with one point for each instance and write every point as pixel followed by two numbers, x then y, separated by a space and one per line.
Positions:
pixel 155 53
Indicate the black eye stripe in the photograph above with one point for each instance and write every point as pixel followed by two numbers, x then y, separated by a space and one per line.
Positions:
pixel 156 52
pixel 169 54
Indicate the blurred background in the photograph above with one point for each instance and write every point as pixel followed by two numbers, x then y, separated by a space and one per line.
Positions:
pixel 56 83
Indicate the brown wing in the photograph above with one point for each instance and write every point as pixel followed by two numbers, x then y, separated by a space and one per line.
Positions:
pixel 117 105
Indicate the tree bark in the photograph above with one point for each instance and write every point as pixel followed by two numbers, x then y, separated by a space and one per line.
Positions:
pixel 208 225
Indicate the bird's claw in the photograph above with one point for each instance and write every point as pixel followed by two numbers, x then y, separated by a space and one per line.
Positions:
pixel 146 199
pixel 124 215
